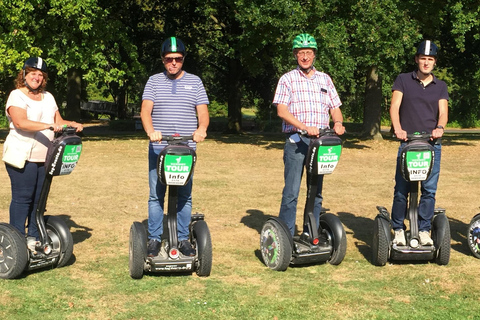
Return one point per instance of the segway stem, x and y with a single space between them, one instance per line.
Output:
309 222
413 209
172 216
40 212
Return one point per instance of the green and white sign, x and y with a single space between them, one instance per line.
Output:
418 164
70 157
328 157
177 169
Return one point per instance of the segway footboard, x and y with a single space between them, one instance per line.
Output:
163 263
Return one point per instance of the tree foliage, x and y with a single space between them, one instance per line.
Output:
240 48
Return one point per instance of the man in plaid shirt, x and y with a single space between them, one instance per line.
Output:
304 97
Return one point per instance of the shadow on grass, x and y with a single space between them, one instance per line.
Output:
81 233
458 231
362 232
255 220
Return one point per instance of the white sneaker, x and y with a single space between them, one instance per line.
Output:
425 239
32 243
400 237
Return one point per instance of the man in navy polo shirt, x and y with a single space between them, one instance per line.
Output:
419 104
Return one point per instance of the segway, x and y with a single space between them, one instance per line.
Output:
316 244
175 166
55 246
417 159
473 236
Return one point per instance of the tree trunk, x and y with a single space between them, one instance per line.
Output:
121 105
74 90
234 97
372 111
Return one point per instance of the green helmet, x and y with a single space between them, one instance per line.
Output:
304 41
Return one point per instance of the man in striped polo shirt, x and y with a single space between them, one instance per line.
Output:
305 99
172 101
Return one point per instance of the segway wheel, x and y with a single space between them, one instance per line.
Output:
13 252
473 236
380 245
61 239
443 251
137 250
275 246
333 226
203 243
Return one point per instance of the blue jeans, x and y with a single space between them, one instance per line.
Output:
26 186
156 202
426 206
294 155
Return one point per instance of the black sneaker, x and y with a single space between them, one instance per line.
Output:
153 247
186 249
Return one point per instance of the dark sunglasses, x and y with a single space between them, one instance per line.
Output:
170 59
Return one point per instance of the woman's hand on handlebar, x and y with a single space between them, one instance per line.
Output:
78 126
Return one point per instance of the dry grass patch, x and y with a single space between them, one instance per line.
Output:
237 185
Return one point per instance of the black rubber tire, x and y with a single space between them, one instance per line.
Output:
380 245
137 250
443 252
473 235
13 252
203 243
61 239
332 224
275 246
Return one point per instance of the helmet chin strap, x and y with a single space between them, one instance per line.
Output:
307 70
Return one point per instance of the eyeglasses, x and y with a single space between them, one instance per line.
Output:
170 59
305 54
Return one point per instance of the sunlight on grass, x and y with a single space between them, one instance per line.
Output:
237 185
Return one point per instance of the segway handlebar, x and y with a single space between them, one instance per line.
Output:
321 132
177 137
419 136
65 129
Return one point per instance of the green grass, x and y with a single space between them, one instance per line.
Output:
237 184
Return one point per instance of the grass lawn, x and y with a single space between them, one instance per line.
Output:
237 185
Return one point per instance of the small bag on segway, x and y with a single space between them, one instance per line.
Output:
175 164
417 159
64 153
324 154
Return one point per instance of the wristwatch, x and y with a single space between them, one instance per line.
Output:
440 127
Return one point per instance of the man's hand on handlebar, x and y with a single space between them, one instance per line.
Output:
155 136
